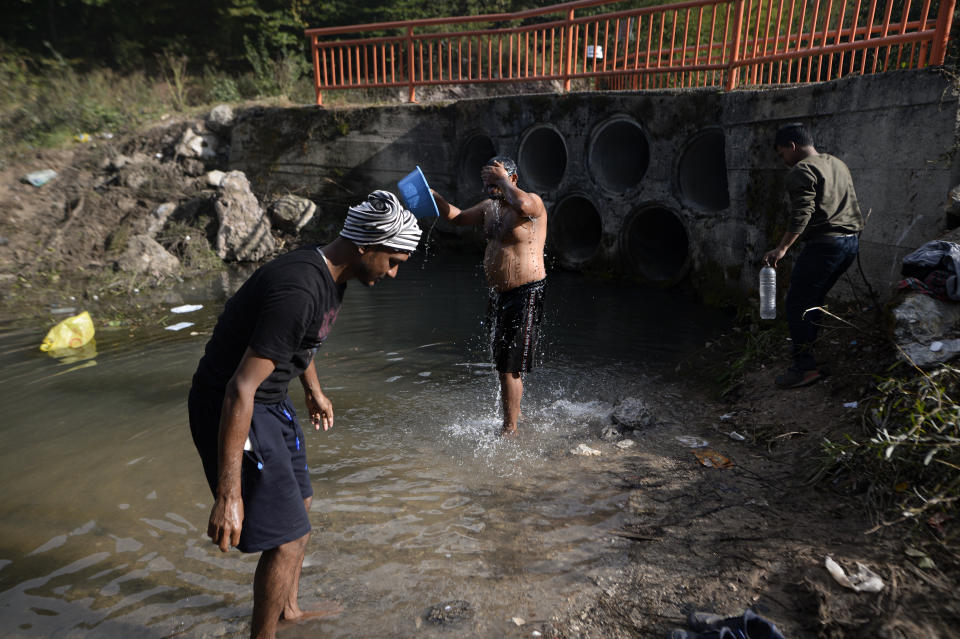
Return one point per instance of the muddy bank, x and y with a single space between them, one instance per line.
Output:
756 535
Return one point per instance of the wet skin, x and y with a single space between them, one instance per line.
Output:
515 224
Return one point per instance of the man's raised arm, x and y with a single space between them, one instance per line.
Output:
473 216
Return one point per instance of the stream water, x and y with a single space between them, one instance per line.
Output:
103 521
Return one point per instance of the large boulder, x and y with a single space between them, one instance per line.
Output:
199 146
290 213
145 255
221 118
244 233
632 413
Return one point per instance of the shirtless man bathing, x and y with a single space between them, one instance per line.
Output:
515 223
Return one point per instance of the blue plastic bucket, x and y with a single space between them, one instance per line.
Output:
416 195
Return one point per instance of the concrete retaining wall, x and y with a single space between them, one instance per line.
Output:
665 186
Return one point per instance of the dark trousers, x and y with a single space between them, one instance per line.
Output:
819 266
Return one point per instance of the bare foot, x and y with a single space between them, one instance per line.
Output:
508 432
319 610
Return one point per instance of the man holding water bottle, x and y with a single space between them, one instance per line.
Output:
825 212
515 224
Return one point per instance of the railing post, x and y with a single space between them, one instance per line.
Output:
410 65
732 68
316 69
568 55
944 19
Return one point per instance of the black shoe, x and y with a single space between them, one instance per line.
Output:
719 633
748 626
701 621
794 378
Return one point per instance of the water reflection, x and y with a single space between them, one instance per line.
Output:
102 529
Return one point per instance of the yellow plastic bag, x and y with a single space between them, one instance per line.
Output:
72 332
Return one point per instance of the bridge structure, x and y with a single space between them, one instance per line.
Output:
616 45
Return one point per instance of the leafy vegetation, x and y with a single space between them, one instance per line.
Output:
908 453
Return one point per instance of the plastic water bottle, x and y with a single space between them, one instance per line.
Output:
768 293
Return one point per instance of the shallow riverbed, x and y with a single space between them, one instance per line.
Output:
102 531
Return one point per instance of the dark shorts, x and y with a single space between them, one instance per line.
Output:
275 478
514 317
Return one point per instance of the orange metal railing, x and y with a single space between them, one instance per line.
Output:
729 43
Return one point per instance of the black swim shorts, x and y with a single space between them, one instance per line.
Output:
275 478
514 318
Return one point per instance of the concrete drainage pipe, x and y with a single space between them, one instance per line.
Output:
702 171
619 155
655 244
575 229
477 150
542 158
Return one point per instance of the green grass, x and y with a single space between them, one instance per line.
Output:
46 102
907 455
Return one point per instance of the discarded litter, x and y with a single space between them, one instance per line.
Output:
691 442
864 580
179 326
518 620
186 308
735 435
850 404
73 332
726 417
63 310
82 137
584 450
624 444
712 459
936 346
39 178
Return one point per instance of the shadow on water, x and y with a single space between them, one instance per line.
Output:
102 529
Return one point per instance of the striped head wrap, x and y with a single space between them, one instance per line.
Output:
381 219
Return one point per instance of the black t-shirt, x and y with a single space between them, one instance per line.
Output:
284 312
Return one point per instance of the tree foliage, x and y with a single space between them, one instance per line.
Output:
126 34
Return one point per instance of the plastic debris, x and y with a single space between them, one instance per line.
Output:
179 326
936 346
82 137
186 308
518 621
63 310
72 332
712 459
864 580
737 436
850 404
691 442
726 417
584 450
39 178
626 443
